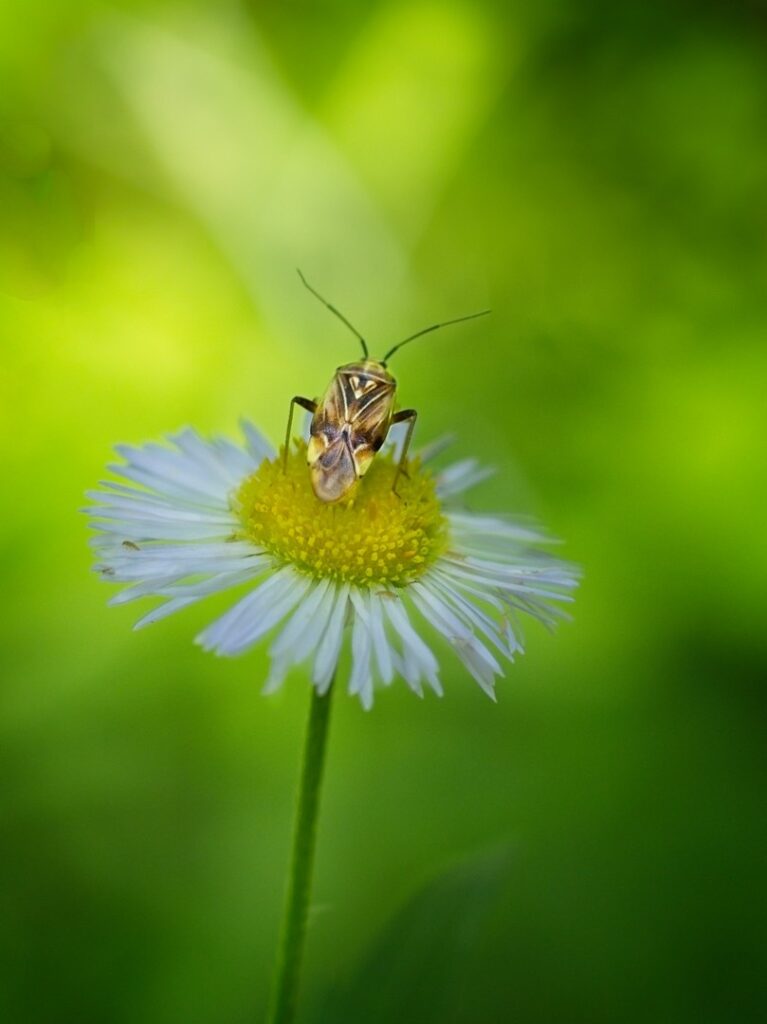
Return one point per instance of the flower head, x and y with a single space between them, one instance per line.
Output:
201 516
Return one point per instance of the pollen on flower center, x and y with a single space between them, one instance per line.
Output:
373 537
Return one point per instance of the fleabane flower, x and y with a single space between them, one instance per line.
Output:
389 570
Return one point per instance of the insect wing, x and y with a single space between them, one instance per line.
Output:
369 401
333 473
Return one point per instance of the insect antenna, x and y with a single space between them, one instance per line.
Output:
333 309
427 330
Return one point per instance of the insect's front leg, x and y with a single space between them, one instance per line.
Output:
399 417
305 403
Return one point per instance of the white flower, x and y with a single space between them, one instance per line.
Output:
201 516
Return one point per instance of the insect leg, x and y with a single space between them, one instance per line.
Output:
305 403
400 417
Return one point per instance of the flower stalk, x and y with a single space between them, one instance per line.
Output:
287 974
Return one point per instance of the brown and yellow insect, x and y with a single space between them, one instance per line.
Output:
352 419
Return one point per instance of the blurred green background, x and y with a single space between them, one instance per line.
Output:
593 848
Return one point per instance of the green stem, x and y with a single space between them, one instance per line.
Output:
288 969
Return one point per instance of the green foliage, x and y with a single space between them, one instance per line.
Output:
595 174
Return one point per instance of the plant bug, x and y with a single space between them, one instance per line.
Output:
352 419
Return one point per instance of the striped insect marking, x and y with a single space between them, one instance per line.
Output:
349 426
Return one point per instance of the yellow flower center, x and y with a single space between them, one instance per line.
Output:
374 536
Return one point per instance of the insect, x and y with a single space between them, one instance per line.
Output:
352 419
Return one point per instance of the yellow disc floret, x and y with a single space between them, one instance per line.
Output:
372 537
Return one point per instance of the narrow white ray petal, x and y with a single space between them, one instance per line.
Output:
461 476
218 634
476 657
308 619
537 571
433 608
252 630
255 614
435 684
360 679
148 588
172 467
394 440
127 561
141 508
409 671
381 645
326 659
191 554
112 488
513 632
508 581
134 575
497 599
434 449
479 669
156 529
277 672
419 659
309 641
212 585
526 567
495 526
255 442
144 571
486 594
471 615
238 462
163 485
257 626
548 614
204 459
162 611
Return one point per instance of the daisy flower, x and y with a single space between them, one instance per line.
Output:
194 517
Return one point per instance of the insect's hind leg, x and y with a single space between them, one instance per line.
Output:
399 417
305 403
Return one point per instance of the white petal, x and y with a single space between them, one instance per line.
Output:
496 526
308 621
198 503
472 652
211 585
155 529
419 660
492 597
471 615
291 647
361 680
258 447
326 659
255 614
433 450
238 462
170 468
148 588
381 645
461 476
163 485
140 505
126 564
509 580
484 593
277 672
206 460
162 611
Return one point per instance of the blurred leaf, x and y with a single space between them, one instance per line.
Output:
231 143
420 968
